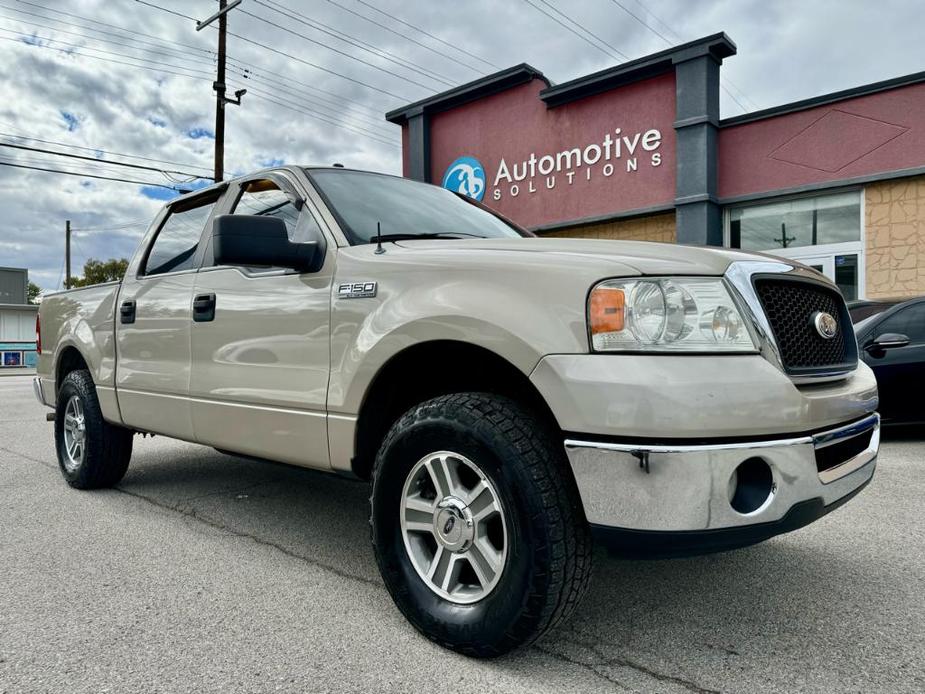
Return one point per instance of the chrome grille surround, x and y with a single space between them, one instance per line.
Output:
741 276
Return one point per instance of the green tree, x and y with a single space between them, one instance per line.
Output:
32 293
98 271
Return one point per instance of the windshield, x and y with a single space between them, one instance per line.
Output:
359 200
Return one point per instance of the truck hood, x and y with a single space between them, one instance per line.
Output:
644 257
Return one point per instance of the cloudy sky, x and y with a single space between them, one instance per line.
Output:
119 80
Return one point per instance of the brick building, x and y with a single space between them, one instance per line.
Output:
638 151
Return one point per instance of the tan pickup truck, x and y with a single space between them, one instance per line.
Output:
508 396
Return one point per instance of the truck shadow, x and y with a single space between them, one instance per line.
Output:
764 608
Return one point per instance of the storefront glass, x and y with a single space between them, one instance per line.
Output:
802 222
822 232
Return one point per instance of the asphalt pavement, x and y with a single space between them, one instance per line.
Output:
204 572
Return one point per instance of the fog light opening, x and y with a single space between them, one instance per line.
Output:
751 486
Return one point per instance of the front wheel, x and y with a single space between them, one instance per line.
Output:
477 525
92 453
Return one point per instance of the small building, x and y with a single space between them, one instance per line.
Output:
638 151
17 320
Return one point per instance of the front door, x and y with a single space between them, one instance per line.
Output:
153 323
842 268
260 363
900 371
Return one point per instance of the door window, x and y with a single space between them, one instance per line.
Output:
909 321
264 197
174 249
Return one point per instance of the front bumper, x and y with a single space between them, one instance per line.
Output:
665 488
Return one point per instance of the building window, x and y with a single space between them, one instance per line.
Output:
823 232
794 223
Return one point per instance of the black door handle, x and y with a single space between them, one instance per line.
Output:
127 312
204 308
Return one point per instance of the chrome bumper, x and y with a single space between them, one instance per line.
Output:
693 487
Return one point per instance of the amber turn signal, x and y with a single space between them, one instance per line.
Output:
607 309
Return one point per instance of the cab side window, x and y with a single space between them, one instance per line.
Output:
174 248
909 321
265 198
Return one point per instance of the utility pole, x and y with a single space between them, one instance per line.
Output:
219 84
67 254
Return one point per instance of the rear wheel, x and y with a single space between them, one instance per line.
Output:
477 526
91 452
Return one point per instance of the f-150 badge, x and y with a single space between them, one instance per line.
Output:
357 290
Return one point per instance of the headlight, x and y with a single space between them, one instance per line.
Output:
680 314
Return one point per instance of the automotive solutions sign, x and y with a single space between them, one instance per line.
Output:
613 153
594 157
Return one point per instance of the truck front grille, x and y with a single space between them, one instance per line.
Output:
790 306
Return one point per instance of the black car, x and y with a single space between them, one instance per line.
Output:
891 337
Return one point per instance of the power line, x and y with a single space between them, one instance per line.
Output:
456 61
86 175
95 57
568 28
159 41
678 36
115 227
102 151
352 40
76 168
283 53
309 98
337 123
641 21
116 26
586 29
427 33
101 50
337 50
293 106
249 74
173 53
96 160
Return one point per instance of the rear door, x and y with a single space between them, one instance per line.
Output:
900 371
153 322
260 363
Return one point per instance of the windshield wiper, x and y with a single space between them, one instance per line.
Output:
430 235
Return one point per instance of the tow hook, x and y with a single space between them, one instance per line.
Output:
50 416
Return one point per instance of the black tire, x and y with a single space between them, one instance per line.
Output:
108 448
549 555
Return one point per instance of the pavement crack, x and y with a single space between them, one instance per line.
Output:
591 667
222 492
29 457
191 513
605 660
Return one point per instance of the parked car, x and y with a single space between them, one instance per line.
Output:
891 334
506 395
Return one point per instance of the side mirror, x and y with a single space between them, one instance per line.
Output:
259 241
888 341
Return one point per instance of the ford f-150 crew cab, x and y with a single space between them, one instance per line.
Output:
508 396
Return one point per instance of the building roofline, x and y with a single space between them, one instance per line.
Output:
832 97
717 45
470 91
19 307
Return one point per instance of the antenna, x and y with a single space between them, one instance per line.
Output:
379 249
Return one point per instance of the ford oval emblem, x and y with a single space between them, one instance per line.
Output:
825 325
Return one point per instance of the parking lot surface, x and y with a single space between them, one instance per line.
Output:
206 572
